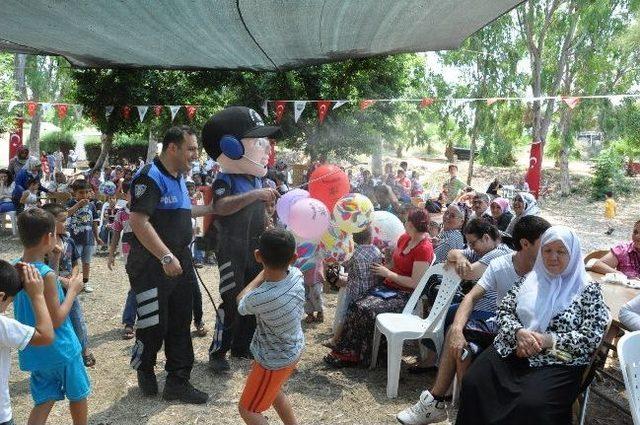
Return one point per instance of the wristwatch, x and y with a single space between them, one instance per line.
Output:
166 259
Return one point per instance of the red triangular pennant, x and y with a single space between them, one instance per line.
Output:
426 102
323 108
191 111
364 104
31 108
62 110
157 110
280 105
126 112
571 102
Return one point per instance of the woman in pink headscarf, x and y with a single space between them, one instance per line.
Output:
501 213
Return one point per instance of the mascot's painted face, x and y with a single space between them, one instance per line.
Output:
253 162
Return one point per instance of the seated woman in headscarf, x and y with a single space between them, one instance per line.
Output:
550 326
411 259
524 204
501 213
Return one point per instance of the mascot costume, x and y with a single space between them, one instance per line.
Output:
236 138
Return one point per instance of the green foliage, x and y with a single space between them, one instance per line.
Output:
62 140
7 92
609 174
124 146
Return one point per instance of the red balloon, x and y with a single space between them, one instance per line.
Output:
328 183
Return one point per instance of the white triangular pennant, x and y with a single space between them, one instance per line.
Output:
298 107
174 110
339 103
265 108
12 104
77 111
46 107
142 111
616 100
108 110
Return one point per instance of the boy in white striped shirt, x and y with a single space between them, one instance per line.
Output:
276 298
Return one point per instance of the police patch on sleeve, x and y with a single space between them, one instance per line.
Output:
140 189
220 191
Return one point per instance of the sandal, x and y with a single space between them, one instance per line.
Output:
128 332
89 360
201 331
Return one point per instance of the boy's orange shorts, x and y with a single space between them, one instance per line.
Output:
263 386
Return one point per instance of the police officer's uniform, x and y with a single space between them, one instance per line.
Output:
238 236
164 304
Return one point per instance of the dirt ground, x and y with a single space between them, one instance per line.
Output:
319 395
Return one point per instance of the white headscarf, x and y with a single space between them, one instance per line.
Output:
543 295
32 164
530 204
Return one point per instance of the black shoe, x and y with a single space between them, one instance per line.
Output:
219 363
147 383
183 391
421 370
242 354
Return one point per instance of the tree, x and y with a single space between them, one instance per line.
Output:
7 91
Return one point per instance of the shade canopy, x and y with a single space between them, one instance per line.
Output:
237 34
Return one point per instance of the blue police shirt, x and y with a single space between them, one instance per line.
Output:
165 199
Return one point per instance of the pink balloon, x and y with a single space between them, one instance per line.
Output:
284 204
309 219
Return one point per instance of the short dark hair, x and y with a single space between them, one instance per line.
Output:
363 237
54 209
10 282
529 227
33 224
277 247
609 194
30 181
419 218
80 184
480 227
176 135
190 183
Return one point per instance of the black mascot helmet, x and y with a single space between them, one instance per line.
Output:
223 132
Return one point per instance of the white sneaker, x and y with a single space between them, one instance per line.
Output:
88 289
426 411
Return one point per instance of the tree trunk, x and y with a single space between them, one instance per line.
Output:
399 151
565 150
107 141
20 63
152 150
472 147
34 135
376 160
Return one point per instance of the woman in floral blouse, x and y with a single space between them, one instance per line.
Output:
550 326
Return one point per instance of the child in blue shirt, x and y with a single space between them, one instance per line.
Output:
83 226
57 370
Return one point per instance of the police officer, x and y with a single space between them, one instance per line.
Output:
160 267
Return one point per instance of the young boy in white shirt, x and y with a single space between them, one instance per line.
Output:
14 334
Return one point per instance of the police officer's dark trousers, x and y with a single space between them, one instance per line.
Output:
164 309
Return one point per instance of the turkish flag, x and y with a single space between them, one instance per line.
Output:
571 102
62 110
535 168
191 111
31 108
364 104
280 105
426 102
157 110
126 112
323 108
15 138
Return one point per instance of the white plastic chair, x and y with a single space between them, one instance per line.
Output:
14 222
400 327
629 356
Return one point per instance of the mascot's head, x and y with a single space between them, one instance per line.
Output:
236 138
